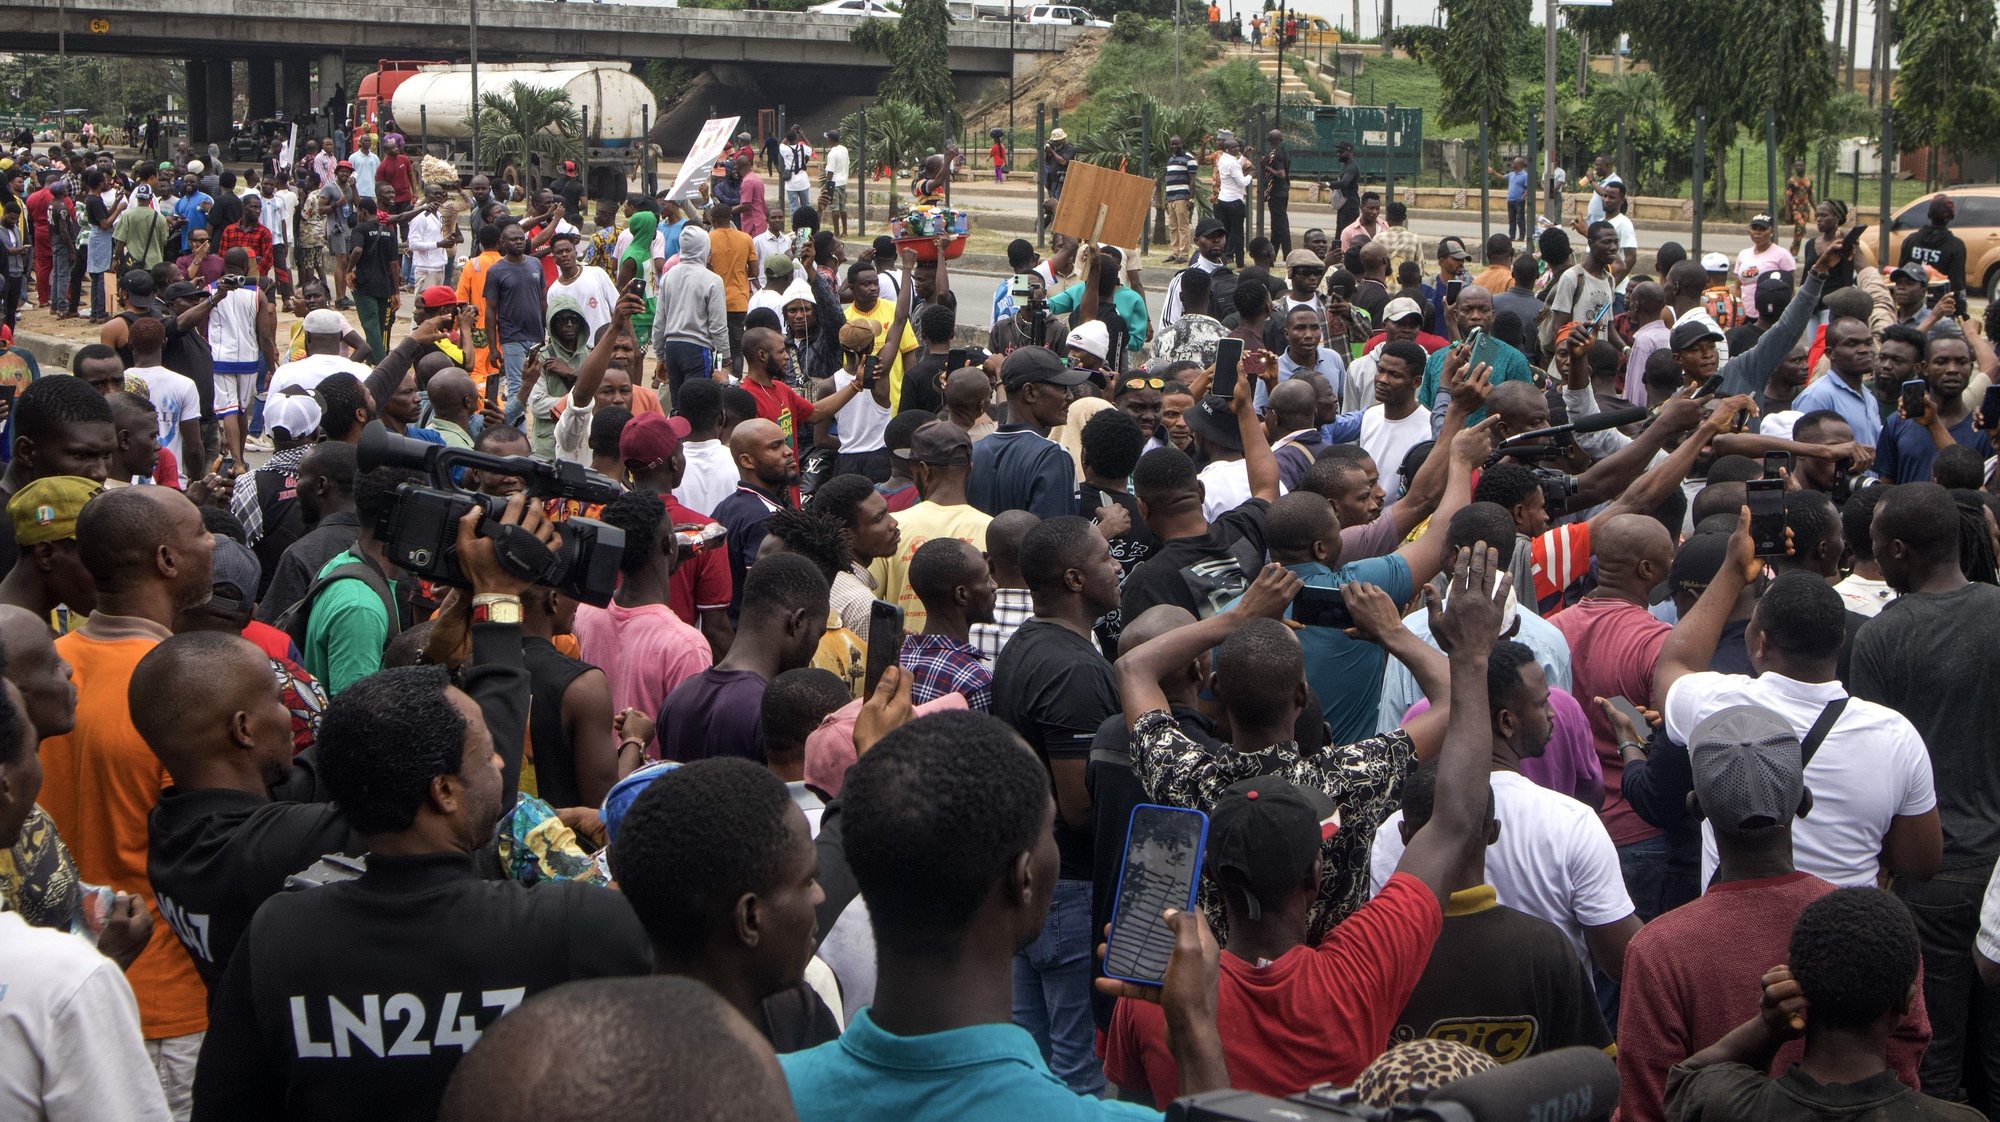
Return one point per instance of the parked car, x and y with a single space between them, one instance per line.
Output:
1061 14
1977 224
873 9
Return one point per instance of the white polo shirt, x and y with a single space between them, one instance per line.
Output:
1871 768
72 1049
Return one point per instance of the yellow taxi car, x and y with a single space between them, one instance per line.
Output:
1977 224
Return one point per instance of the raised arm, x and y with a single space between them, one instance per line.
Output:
1258 460
1747 372
1426 555
1466 629
1139 671
598 361
1691 645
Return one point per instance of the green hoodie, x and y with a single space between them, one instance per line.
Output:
542 425
640 252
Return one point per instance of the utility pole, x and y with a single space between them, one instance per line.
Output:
1012 73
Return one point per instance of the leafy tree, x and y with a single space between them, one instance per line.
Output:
534 128
919 70
1472 63
1948 84
897 134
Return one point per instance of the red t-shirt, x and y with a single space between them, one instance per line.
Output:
1313 1015
269 639
1694 974
781 404
1614 647
700 585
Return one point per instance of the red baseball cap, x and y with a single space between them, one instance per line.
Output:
651 439
438 296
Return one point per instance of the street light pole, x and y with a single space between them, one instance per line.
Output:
1549 97
472 46
1012 69
1177 53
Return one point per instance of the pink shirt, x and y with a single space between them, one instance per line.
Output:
1614 646
644 652
1569 764
755 218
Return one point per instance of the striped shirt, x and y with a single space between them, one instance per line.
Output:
1180 176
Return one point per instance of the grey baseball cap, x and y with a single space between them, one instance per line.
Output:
1748 771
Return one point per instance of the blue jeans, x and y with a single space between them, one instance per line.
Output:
513 356
796 199
1644 865
59 280
685 360
1052 990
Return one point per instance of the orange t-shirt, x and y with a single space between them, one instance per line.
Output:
729 251
472 290
100 783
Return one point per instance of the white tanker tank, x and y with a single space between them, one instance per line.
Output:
438 98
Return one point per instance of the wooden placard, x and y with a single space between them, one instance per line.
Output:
1123 199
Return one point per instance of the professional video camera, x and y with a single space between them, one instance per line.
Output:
1567 1085
1558 487
421 530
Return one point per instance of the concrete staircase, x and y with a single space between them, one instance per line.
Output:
1266 62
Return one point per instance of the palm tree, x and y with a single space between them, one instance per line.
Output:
533 127
897 133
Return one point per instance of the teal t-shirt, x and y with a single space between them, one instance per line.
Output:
1131 308
347 630
1344 671
1509 365
985 1073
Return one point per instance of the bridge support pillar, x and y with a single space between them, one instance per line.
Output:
332 79
295 95
197 100
221 103
263 88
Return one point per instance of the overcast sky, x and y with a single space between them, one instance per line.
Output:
1425 11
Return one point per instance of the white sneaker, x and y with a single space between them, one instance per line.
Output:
257 443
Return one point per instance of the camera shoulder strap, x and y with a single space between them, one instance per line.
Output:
1828 717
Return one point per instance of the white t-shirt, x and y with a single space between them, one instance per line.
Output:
277 214
1871 768
710 476
794 158
174 400
1863 596
836 165
595 291
1389 441
73 1030
1225 486
860 422
307 373
1231 181
1553 860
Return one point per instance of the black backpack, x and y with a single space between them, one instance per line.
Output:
295 619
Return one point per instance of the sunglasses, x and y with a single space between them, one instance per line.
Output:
1143 384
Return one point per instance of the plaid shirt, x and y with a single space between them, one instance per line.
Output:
256 240
940 664
1012 607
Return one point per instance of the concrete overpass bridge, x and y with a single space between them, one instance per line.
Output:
297 49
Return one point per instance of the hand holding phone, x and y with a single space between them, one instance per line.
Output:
1915 403
1228 361
885 642
1777 464
1161 868
1766 498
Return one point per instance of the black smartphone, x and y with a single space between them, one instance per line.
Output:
7 393
1228 359
1851 240
1775 462
956 358
1766 498
870 367
1452 288
1914 392
1624 705
1709 388
1989 408
1321 607
1162 865
496 388
885 642
634 287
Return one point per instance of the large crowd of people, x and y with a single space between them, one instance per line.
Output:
1567 650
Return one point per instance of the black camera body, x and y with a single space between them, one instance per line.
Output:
420 532
1558 486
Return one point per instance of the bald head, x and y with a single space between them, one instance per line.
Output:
1374 259
208 704
752 435
1633 550
1151 624
1646 300
34 667
967 389
453 395
138 536
1685 281
633 1044
1292 403
1520 406
1004 536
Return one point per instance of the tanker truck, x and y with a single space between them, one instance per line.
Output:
429 102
